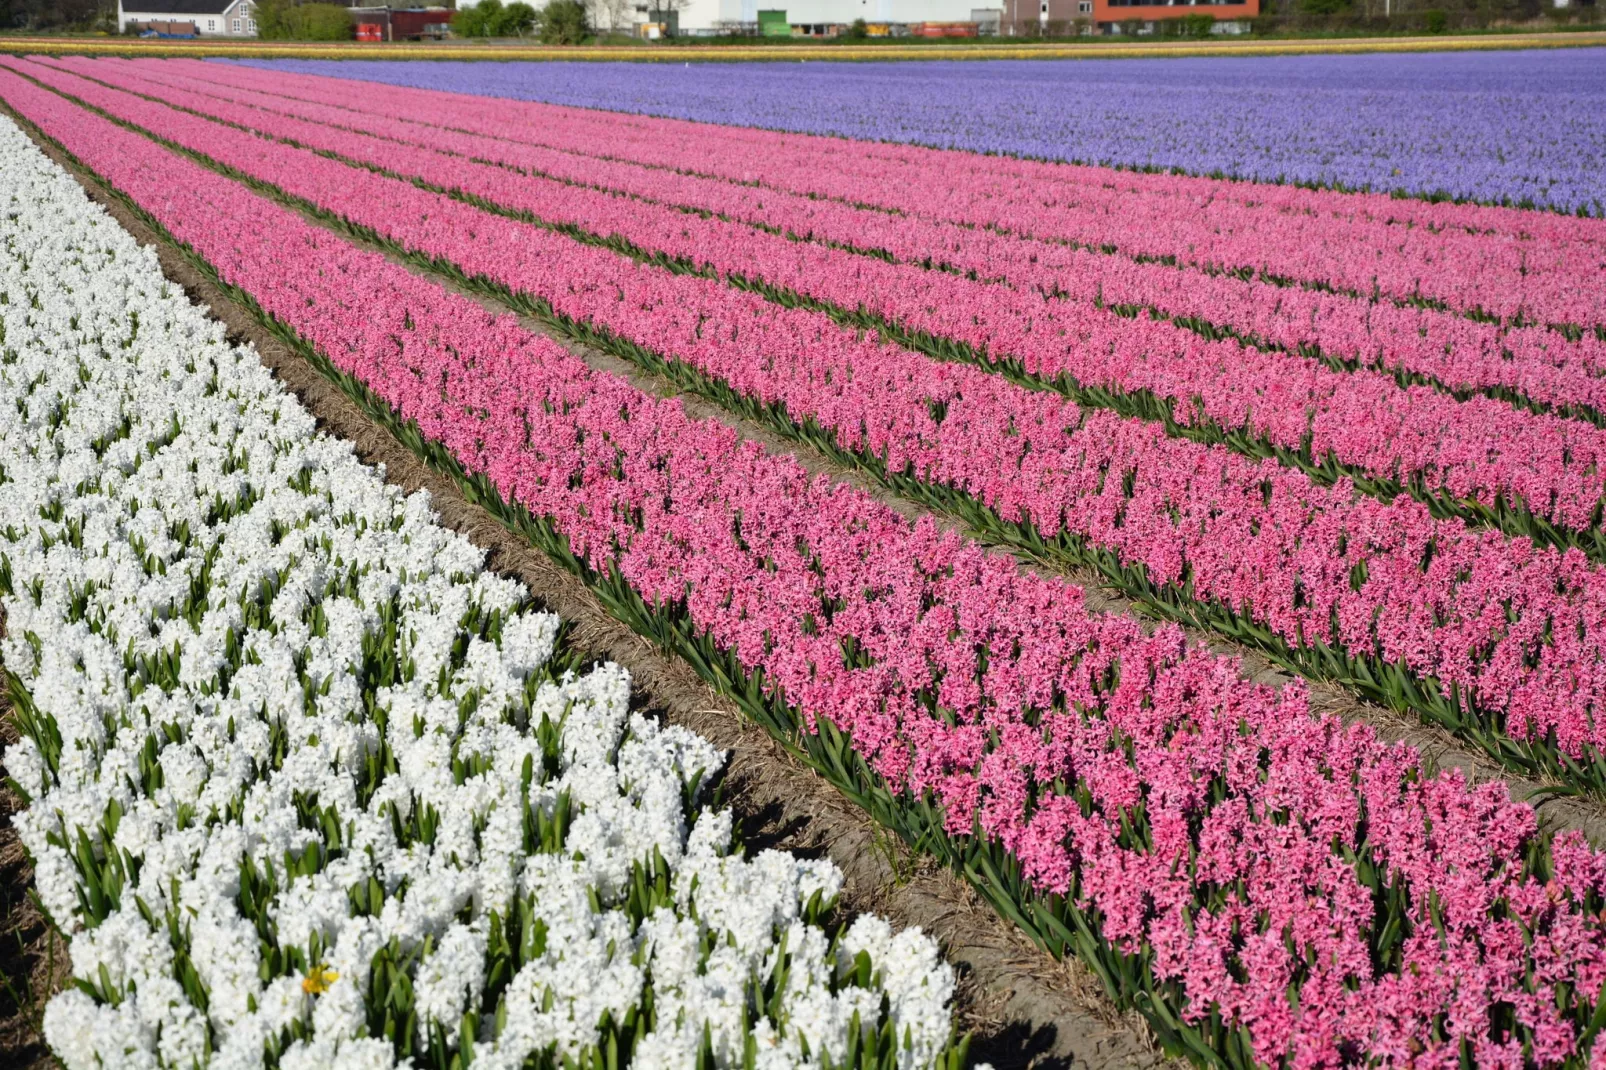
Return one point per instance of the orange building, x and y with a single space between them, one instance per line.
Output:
1024 18
1109 13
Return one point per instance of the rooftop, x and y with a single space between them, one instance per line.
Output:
176 7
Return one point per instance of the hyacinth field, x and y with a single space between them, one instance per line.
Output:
1519 127
305 785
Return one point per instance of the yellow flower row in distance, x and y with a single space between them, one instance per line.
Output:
121 46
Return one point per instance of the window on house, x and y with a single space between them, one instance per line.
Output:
251 25
1085 7
236 25
211 25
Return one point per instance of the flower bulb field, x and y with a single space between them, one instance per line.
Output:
1519 126
849 429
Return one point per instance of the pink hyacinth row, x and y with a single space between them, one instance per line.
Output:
1479 449
1242 884
1464 354
1504 261
1518 630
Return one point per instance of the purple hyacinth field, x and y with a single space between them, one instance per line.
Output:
1510 127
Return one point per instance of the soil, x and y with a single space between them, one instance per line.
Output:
33 957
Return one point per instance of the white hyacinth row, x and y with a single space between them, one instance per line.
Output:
308 787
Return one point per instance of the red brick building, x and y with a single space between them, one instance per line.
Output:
1028 18
1108 13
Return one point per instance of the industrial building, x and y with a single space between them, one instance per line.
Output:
815 17
380 23
919 18
1119 16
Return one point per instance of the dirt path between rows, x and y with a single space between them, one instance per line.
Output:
33 957
1025 1008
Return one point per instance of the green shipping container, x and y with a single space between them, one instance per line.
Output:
773 24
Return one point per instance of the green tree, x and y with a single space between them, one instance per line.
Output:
563 22
859 31
324 22
282 20
59 14
515 20
1198 25
479 20
1324 7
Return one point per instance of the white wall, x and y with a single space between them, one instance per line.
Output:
932 10
704 14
